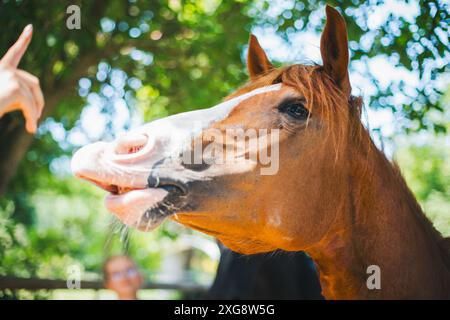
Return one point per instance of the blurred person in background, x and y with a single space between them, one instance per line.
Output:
20 90
122 276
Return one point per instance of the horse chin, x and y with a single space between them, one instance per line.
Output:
175 201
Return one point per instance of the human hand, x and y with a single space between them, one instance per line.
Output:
20 90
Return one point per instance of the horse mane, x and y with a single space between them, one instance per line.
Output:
361 133
317 86
443 243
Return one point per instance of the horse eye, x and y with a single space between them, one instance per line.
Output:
297 110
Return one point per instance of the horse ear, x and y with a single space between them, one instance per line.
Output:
334 49
257 61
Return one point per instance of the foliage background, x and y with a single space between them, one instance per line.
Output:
137 60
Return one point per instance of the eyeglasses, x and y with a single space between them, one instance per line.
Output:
120 275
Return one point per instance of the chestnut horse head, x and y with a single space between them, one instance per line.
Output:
303 119
307 106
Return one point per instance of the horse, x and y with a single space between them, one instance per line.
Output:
332 194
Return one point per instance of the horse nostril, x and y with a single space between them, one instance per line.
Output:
130 144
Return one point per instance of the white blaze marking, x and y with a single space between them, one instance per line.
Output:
174 131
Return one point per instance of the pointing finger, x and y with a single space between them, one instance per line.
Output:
15 53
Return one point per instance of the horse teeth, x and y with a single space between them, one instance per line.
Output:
122 190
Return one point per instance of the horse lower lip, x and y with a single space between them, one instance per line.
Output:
129 207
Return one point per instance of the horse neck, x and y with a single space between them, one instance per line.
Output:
382 225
